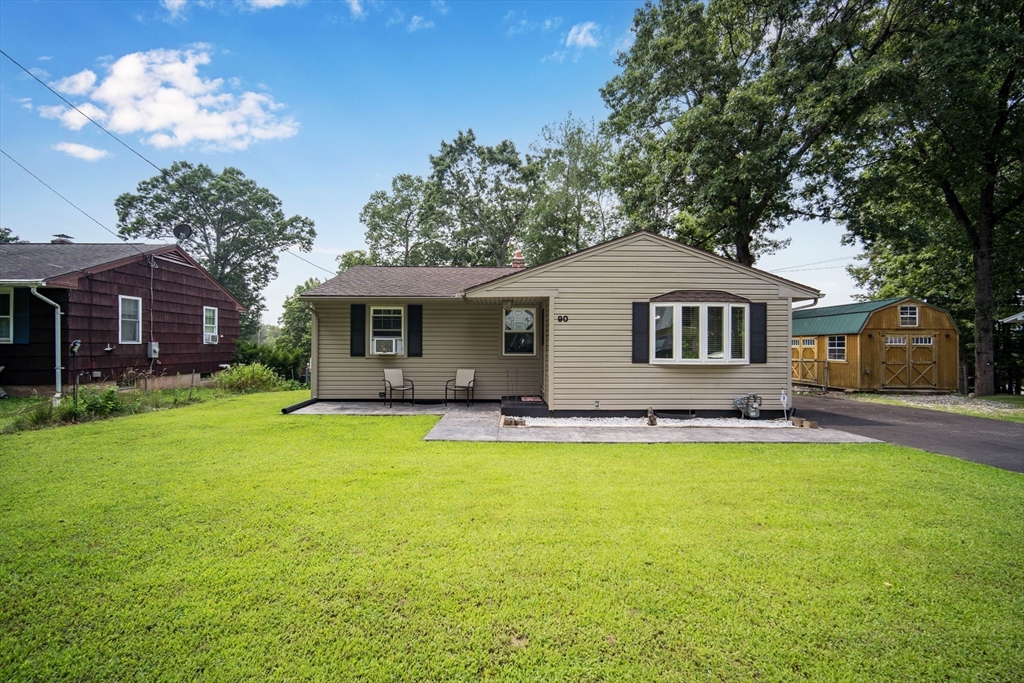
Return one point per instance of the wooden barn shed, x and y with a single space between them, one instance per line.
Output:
888 345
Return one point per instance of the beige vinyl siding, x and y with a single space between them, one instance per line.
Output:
592 350
456 335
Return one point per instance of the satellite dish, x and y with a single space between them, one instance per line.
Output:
182 231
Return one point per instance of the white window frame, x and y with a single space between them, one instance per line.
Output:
504 312
895 340
907 315
677 334
8 293
927 340
795 341
834 346
120 318
809 341
400 338
215 334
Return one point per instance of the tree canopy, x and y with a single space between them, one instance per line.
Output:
296 320
238 227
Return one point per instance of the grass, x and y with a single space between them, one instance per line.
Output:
1006 408
229 542
14 407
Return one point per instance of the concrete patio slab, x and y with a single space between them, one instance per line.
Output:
481 422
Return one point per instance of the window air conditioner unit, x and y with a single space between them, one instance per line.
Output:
384 346
210 338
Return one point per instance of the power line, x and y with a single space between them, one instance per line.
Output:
814 263
124 144
80 209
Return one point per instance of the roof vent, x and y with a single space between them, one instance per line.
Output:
61 238
518 261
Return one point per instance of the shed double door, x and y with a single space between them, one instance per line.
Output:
908 361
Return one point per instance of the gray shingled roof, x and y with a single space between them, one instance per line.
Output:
42 261
411 281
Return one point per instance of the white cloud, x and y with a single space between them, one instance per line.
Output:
44 58
441 6
25 102
397 17
548 24
582 35
623 43
84 152
356 8
161 95
521 23
79 84
417 22
69 118
174 7
270 4
556 56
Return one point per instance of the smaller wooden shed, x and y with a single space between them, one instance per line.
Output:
887 345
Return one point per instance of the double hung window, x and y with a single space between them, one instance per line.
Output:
699 333
6 315
130 326
210 331
387 330
837 348
908 316
519 332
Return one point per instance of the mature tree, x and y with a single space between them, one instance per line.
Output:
6 237
267 334
355 257
576 206
480 197
398 230
722 103
296 320
237 227
948 141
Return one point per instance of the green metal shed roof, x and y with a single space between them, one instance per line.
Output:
845 319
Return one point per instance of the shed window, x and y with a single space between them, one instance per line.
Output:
699 333
895 341
131 319
794 342
519 330
809 342
210 320
922 341
6 315
837 348
908 316
387 330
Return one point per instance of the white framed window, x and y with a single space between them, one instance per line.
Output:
387 330
794 342
810 342
922 341
130 326
837 347
699 333
519 332
211 320
908 316
895 341
6 315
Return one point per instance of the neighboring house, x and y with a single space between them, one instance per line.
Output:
116 299
640 321
891 344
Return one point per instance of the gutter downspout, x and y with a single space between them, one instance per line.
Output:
56 340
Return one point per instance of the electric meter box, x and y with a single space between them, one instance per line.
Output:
153 350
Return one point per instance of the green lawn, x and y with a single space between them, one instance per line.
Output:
226 541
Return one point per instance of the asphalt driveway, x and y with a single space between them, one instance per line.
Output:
978 439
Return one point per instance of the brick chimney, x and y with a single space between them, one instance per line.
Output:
518 261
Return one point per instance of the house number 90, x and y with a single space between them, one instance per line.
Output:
563 318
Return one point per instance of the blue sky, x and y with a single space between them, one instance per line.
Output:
322 102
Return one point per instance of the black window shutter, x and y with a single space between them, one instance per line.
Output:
641 332
758 333
21 315
415 331
357 335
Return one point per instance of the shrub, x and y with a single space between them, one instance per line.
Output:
289 364
103 402
249 378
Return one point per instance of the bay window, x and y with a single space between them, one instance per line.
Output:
699 333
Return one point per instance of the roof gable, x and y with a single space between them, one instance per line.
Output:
842 319
522 276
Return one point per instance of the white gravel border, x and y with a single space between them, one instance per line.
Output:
714 422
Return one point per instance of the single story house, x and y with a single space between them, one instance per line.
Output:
638 322
891 344
146 308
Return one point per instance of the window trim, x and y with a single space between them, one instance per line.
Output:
677 333
916 316
120 318
401 337
9 293
216 325
504 312
829 348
